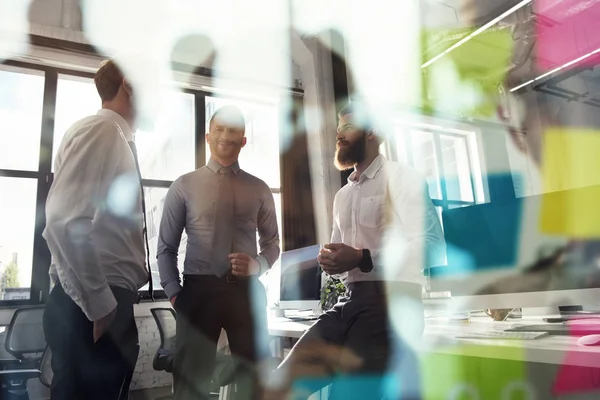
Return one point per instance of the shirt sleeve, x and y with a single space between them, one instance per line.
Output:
268 233
415 237
172 224
80 187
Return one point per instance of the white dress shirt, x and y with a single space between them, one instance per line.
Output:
388 211
93 214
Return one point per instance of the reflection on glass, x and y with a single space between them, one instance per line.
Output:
169 151
21 101
17 226
425 160
260 156
456 168
76 98
155 201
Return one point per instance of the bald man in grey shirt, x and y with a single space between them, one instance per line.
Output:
221 207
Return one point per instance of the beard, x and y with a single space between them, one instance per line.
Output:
348 156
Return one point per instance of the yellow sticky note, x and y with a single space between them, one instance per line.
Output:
571 182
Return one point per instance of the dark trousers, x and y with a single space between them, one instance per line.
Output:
84 369
206 305
361 322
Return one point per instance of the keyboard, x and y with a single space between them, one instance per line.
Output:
503 335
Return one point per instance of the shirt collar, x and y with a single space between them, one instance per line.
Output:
371 170
116 118
214 166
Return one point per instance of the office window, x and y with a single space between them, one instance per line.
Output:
38 104
449 160
17 227
76 98
21 102
169 151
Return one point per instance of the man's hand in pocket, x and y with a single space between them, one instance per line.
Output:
101 325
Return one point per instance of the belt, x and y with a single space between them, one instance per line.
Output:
229 278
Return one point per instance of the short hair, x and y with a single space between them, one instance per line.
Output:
232 115
108 80
361 112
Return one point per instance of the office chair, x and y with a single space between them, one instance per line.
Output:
26 342
225 367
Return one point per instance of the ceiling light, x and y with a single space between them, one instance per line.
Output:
477 32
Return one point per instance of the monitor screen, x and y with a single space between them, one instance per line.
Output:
300 275
537 244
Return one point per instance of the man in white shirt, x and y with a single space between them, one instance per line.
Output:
385 232
94 229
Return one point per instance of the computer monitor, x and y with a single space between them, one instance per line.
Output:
509 254
301 279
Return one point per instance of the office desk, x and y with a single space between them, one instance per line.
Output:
450 367
564 350
291 329
439 337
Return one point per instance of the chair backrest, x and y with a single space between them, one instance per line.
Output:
25 336
46 368
167 327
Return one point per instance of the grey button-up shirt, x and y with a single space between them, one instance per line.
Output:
191 204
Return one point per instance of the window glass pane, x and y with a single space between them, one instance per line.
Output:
155 200
260 156
21 101
170 150
425 160
17 226
166 153
456 168
76 98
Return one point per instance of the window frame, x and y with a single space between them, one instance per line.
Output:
444 203
40 279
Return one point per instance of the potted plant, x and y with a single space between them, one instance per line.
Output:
331 292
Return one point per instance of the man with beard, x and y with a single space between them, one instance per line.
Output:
385 205
221 207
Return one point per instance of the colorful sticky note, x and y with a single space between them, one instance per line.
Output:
465 79
565 31
571 183
476 372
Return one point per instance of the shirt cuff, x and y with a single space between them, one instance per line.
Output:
172 289
100 304
263 264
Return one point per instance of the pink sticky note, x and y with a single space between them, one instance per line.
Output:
566 30
572 377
